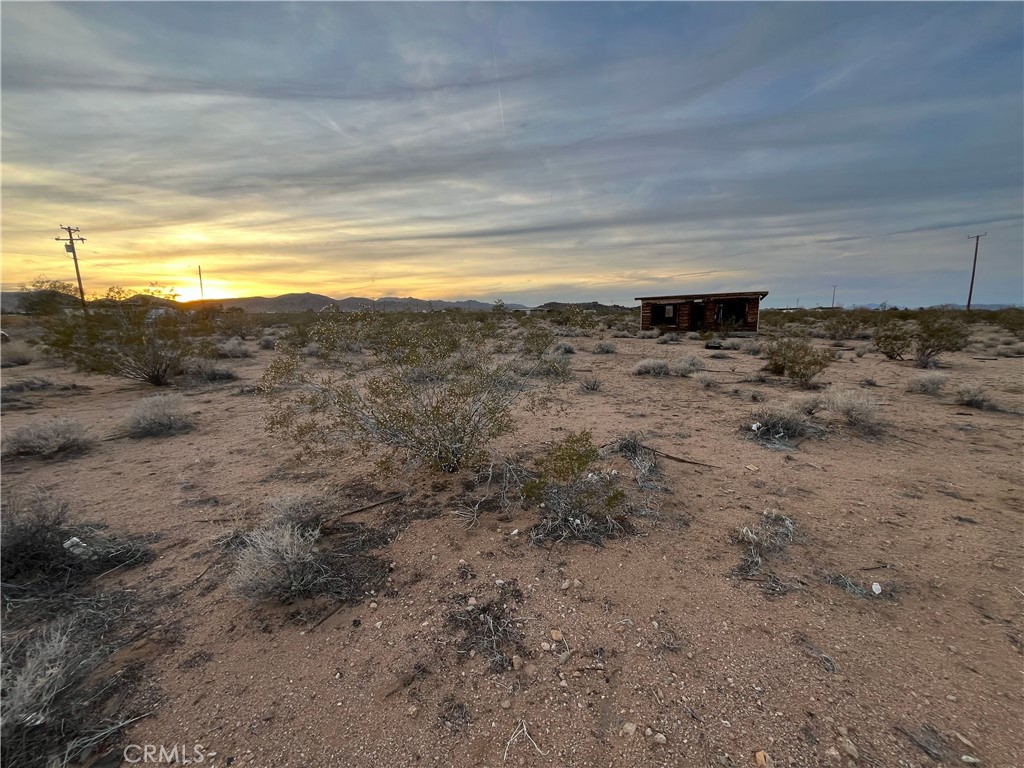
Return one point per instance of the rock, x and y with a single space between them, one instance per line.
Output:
505 703
970 760
577 583
648 732
951 697
545 646
565 585
764 760
517 663
628 729
564 684
379 624
843 730
531 670
515 532
660 738
411 711
472 601
556 635
565 657
832 752
849 749
373 605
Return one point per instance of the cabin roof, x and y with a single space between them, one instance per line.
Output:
691 296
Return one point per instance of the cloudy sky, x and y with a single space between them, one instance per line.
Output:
528 152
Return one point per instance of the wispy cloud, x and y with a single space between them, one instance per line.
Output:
527 151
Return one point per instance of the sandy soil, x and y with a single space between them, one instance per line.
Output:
662 635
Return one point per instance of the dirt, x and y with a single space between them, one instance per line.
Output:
661 633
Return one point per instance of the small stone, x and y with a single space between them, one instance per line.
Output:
564 684
565 657
565 585
545 646
379 624
832 752
843 730
505 703
628 729
472 601
373 605
517 663
969 759
648 732
660 738
530 670
577 583
951 697
499 582
515 532
556 635
849 749
411 711
689 655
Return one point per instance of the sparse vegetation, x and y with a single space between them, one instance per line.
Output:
48 439
590 384
668 338
797 359
604 348
937 334
564 348
17 353
893 340
233 347
158 416
688 366
780 423
651 366
928 383
705 380
859 408
769 537
973 397
202 371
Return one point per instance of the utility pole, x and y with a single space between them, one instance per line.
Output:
69 246
202 293
974 266
833 297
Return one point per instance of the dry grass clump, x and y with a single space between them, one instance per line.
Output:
203 371
491 630
688 366
590 384
267 342
973 397
604 348
17 353
158 416
927 383
48 439
780 423
705 380
769 537
648 334
859 408
668 338
563 348
233 347
643 459
651 366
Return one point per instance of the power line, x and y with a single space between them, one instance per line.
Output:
69 246
974 266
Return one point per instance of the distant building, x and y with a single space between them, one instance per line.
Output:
701 312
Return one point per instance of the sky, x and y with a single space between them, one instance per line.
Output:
528 152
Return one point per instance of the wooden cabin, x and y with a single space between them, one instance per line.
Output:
701 312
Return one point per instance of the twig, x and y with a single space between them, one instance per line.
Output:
520 730
326 616
388 500
684 461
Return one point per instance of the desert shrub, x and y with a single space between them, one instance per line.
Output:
927 383
651 366
159 415
564 348
893 340
652 334
202 371
973 397
668 338
797 359
782 422
537 341
236 322
282 562
48 439
622 335
841 326
17 353
769 537
233 347
734 344
693 336
578 504
705 380
859 408
860 351
267 342
590 384
121 338
604 348
551 364
1016 350
937 334
434 392
688 366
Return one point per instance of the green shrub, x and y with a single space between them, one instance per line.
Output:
937 334
797 359
893 340
841 326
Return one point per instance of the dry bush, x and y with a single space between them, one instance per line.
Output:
652 334
688 366
859 408
202 371
973 397
927 383
642 458
797 359
590 384
233 347
705 380
268 342
604 348
563 348
282 562
651 366
668 338
753 348
491 630
158 416
17 353
48 439
780 423
769 537
555 365
841 326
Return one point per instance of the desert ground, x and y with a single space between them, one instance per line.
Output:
650 650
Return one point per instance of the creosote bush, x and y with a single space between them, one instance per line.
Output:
233 347
48 439
893 340
797 359
937 334
159 415
430 388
